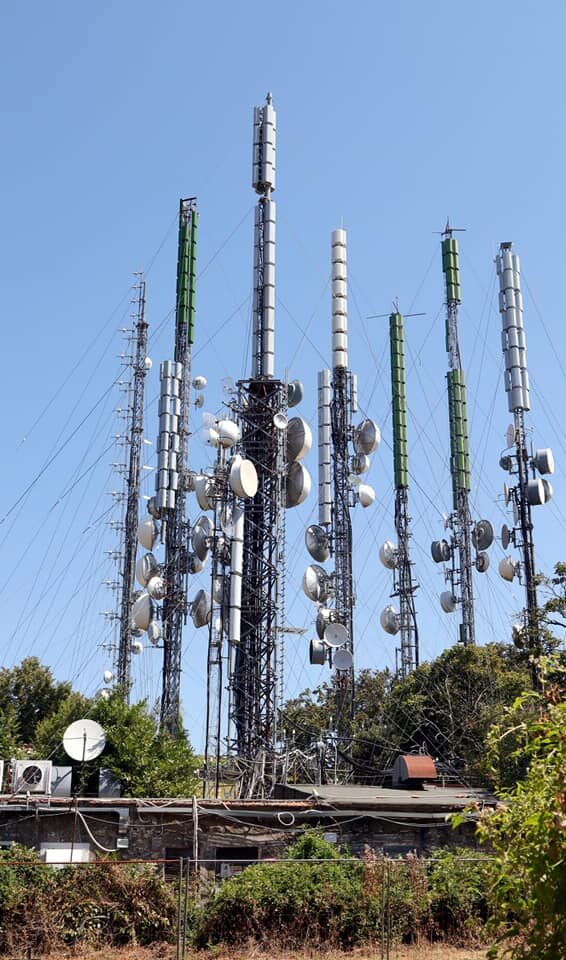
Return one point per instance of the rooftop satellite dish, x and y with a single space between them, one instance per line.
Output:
507 568
201 609
389 620
298 484
343 660
388 555
366 494
318 652
335 635
367 436
200 536
154 632
448 601
316 542
510 435
147 532
243 478
322 620
295 393
299 438
505 536
280 421
84 740
482 535
199 382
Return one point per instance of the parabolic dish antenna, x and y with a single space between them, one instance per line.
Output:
280 421
505 536
335 635
510 435
316 540
84 740
343 660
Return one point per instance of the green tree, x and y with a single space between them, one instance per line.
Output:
28 693
48 739
527 831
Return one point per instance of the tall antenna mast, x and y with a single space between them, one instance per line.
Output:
465 536
397 558
139 369
343 456
254 680
528 491
171 481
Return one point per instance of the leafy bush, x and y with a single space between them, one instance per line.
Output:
458 893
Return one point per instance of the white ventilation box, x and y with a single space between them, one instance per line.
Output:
31 776
59 854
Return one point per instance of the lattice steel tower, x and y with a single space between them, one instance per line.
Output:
465 535
172 473
254 679
528 491
397 557
135 440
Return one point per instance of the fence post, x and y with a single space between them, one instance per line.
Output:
179 908
388 937
383 910
185 909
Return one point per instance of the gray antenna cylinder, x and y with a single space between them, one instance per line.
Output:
339 300
264 137
236 564
264 290
167 477
324 450
513 339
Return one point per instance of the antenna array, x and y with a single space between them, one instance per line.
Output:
465 535
528 491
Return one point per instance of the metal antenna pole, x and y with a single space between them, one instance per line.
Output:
460 521
139 369
173 467
254 679
528 491
404 587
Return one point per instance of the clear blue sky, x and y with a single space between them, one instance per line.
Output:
390 117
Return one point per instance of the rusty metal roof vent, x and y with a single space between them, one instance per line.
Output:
412 770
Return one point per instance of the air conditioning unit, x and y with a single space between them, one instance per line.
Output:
31 776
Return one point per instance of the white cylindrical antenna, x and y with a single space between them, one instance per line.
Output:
513 332
324 450
339 300
263 182
237 559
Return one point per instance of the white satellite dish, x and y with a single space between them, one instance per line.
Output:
298 485
243 478
147 532
146 568
209 436
366 494
388 554
505 536
157 588
142 611
136 647
544 460
148 363
510 435
299 438
84 740
389 620
201 609
318 652
280 421
343 660
200 536
228 433
507 569
335 635
203 487
322 620
316 583
108 676
199 382
360 463
367 436
448 601
154 632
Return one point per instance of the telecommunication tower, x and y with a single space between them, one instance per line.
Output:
397 557
343 457
468 540
528 490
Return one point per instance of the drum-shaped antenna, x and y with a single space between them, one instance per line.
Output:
146 568
448 601
295 393
388 555
482 562
318 652
154 632
441 551
298 484
510 435
544 460
201 609
299 439
366 436
323 618
366 494
316 583
507 568
336 635
243 478
147 533
343 660
389 620
157 588
535 492
228 433
280 421
200 536
482 535
505 536
142 610
317 543
360 463
203 487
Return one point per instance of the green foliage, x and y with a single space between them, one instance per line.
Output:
458 884
42 908
311 845
147 763
48 739
28 693
527 832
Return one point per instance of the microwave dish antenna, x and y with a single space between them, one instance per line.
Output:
84 740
